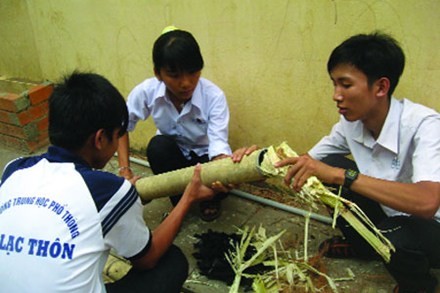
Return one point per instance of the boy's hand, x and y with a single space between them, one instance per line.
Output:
195 190
133 179
218 187
303 167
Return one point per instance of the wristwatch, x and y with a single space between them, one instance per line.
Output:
350 177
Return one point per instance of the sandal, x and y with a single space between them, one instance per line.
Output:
210 210
337 247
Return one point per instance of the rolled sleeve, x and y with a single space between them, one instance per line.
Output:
137 104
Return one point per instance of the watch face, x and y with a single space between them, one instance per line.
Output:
350 177
351 173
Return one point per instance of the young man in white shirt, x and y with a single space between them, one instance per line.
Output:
395 144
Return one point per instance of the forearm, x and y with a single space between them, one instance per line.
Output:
164 234
167 230
123 151
419 199
123 157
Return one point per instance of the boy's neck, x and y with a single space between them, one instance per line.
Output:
375 124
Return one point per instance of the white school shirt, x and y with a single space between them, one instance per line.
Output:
58 221
202 125
407 149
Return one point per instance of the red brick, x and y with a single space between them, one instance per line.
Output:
43 124
12 130
40 93
31 131
43 136
23 145
14 142
28 132
24 118
8 117
13 103
33 113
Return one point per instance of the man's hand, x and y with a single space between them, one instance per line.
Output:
303 167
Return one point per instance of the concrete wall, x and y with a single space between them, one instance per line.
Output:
268 56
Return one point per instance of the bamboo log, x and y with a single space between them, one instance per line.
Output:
258 166
225 171
115 268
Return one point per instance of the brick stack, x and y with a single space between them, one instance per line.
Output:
24 115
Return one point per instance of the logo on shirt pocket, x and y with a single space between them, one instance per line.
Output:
395 164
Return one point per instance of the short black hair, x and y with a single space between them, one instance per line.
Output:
178 51
81 104
376 55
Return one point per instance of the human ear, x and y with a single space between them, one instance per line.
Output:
98 139
383 86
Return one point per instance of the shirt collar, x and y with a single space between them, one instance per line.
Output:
59 154
196 99
389 135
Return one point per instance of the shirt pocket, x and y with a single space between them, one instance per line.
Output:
196 127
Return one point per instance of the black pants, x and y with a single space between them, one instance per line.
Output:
164 155
417 240
168 276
